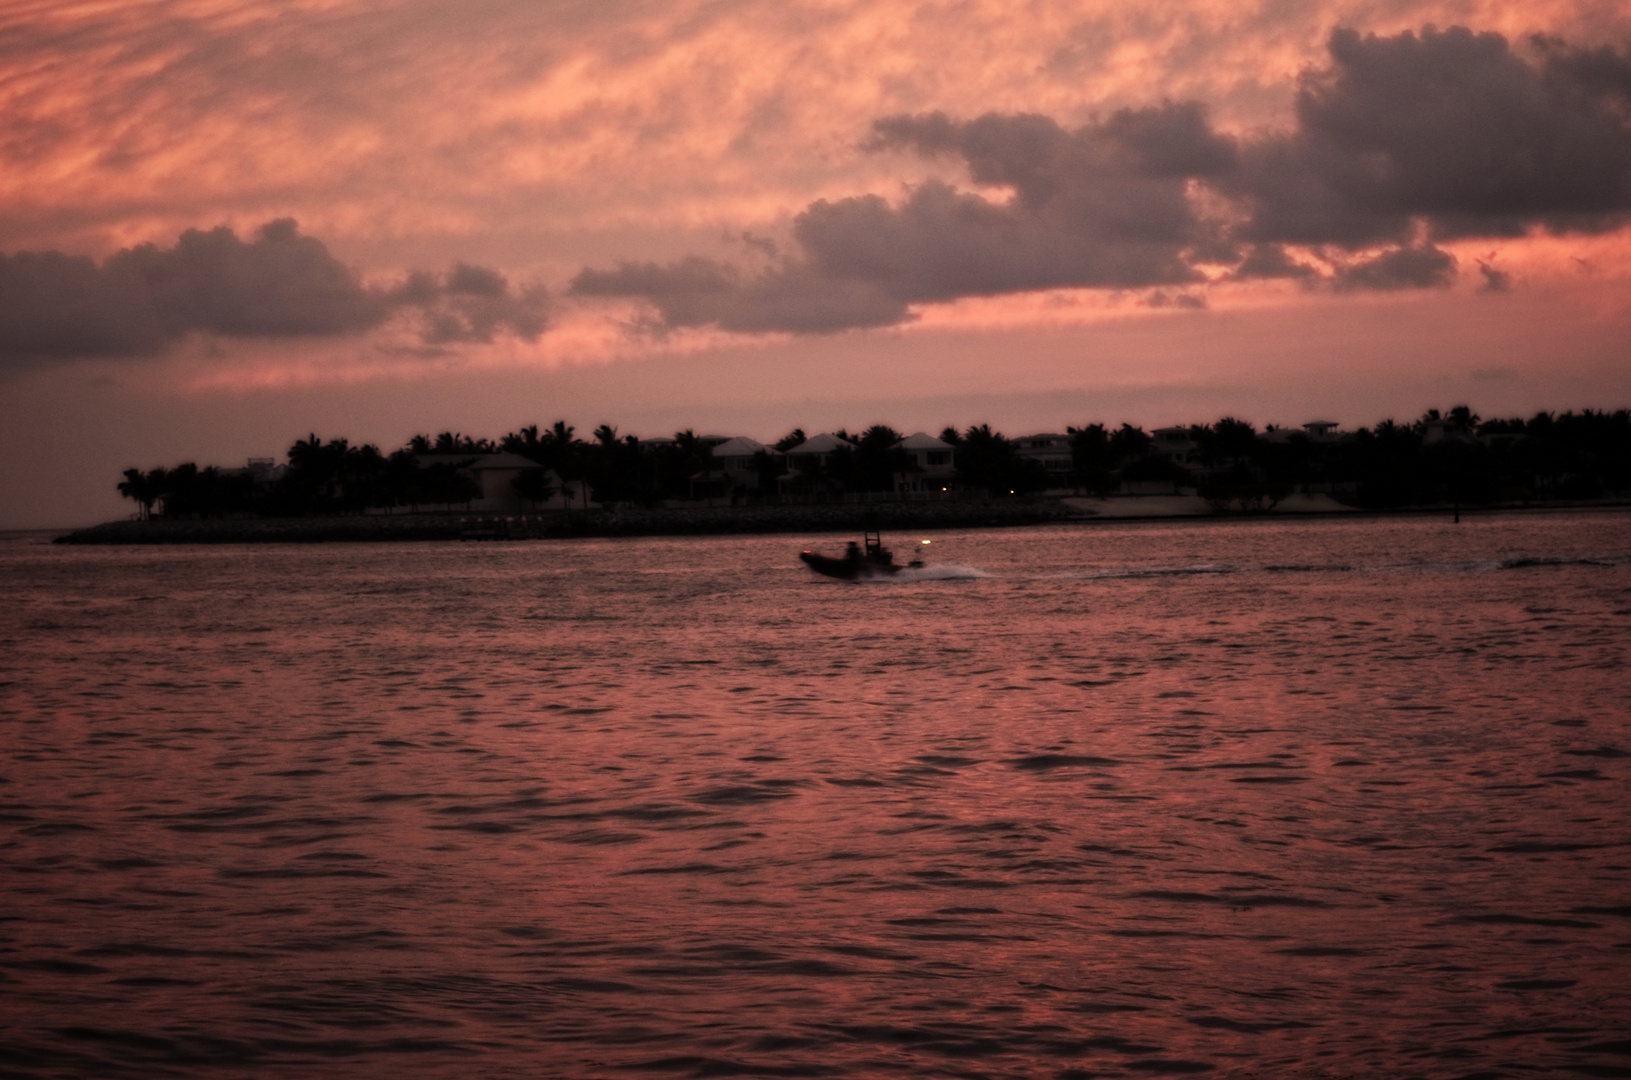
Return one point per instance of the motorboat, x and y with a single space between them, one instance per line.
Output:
859 563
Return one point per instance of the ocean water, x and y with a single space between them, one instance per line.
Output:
1323 798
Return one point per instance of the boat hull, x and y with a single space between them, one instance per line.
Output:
848 569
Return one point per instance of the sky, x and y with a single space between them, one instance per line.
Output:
227 224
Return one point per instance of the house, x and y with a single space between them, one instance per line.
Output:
1315 431
932 468
263 472
495 476
814 454
1322 430
1175 445
807 465
1052 452
1437 431
737 458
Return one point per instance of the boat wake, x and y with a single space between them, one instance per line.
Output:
941 572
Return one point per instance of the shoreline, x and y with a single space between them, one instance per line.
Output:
740 520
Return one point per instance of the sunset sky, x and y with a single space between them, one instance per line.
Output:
224 225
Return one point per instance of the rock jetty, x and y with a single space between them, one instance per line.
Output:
631 521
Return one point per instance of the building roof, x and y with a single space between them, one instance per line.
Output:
476 462
741 446
825 443
923 441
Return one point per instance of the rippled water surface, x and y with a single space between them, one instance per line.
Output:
1328 798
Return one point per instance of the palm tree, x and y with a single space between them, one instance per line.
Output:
1090 456
696 462
137 485
525 442
878 460
533 485
564 454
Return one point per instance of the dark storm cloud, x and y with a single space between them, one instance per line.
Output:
1101 206
1443 134
703 292
1449 126
1423 267
279 284
1272 261
1495 279
470 304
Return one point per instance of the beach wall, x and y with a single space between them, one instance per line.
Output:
623 522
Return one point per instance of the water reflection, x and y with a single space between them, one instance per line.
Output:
1277 799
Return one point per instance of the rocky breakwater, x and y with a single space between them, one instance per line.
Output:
275 530
825 517
625 521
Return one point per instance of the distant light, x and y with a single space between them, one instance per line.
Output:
925 543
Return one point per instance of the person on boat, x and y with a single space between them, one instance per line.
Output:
853 552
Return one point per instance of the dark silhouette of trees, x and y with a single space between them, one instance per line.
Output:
453 442
1237 471
186 491
987 460
768 469
1152 468
524 442
1228 440
1129 443
1091 458
614 468
335 478
533 485
1441 458
689 466
876 460
435 484
146 488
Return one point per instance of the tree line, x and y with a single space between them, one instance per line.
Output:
1455 456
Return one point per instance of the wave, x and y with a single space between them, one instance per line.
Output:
1166 571
1471 566
940 572
1523 562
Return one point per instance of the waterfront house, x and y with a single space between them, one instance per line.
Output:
1446 430
1175 444
1052 452
931 469
808 464
495 476
738 460
1322 430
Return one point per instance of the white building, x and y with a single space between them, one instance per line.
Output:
1318 431
807 464
1052 452
1322 430
495 476
736 459
1437 431
932 465
1174 445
